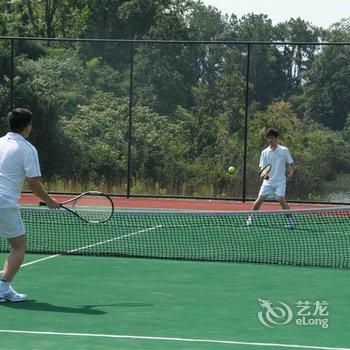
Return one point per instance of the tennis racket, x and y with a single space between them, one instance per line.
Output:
92 207
264 173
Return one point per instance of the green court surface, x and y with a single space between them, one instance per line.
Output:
80 302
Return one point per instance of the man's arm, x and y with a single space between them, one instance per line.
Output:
36 186
262 160
290 169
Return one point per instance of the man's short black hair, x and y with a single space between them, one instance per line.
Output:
272 132
19 119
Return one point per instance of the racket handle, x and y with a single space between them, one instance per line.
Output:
43 204
95 192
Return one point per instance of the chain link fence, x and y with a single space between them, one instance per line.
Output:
147 118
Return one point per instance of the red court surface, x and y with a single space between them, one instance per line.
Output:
176 204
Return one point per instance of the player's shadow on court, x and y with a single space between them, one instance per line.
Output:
86 309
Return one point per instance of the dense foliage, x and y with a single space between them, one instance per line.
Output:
188 100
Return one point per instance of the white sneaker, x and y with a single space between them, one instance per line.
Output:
250 220
11 295
289 225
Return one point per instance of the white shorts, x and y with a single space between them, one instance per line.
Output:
11 224
272 191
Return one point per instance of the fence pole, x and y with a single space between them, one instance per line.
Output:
246 123
128 191
12 72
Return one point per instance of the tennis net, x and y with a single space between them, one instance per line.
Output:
318 237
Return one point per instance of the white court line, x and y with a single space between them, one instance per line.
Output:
233 342
92 245
115 239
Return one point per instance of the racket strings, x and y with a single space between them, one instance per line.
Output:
265 171
93 208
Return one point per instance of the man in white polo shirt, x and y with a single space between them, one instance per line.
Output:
18 162
279 158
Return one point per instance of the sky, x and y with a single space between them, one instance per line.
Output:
322 13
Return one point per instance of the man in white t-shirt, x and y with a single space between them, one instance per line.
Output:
274 186
18 162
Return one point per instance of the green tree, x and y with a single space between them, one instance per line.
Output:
326 95
205 22
268 76
45 18
298 58
339 31
95 142
59 84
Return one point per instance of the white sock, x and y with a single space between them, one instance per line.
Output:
4 285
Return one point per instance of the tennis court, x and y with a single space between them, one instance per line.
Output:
99 302
177 115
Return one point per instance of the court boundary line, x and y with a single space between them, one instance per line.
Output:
191 340
92 245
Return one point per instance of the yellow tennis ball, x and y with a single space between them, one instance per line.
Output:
231 169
